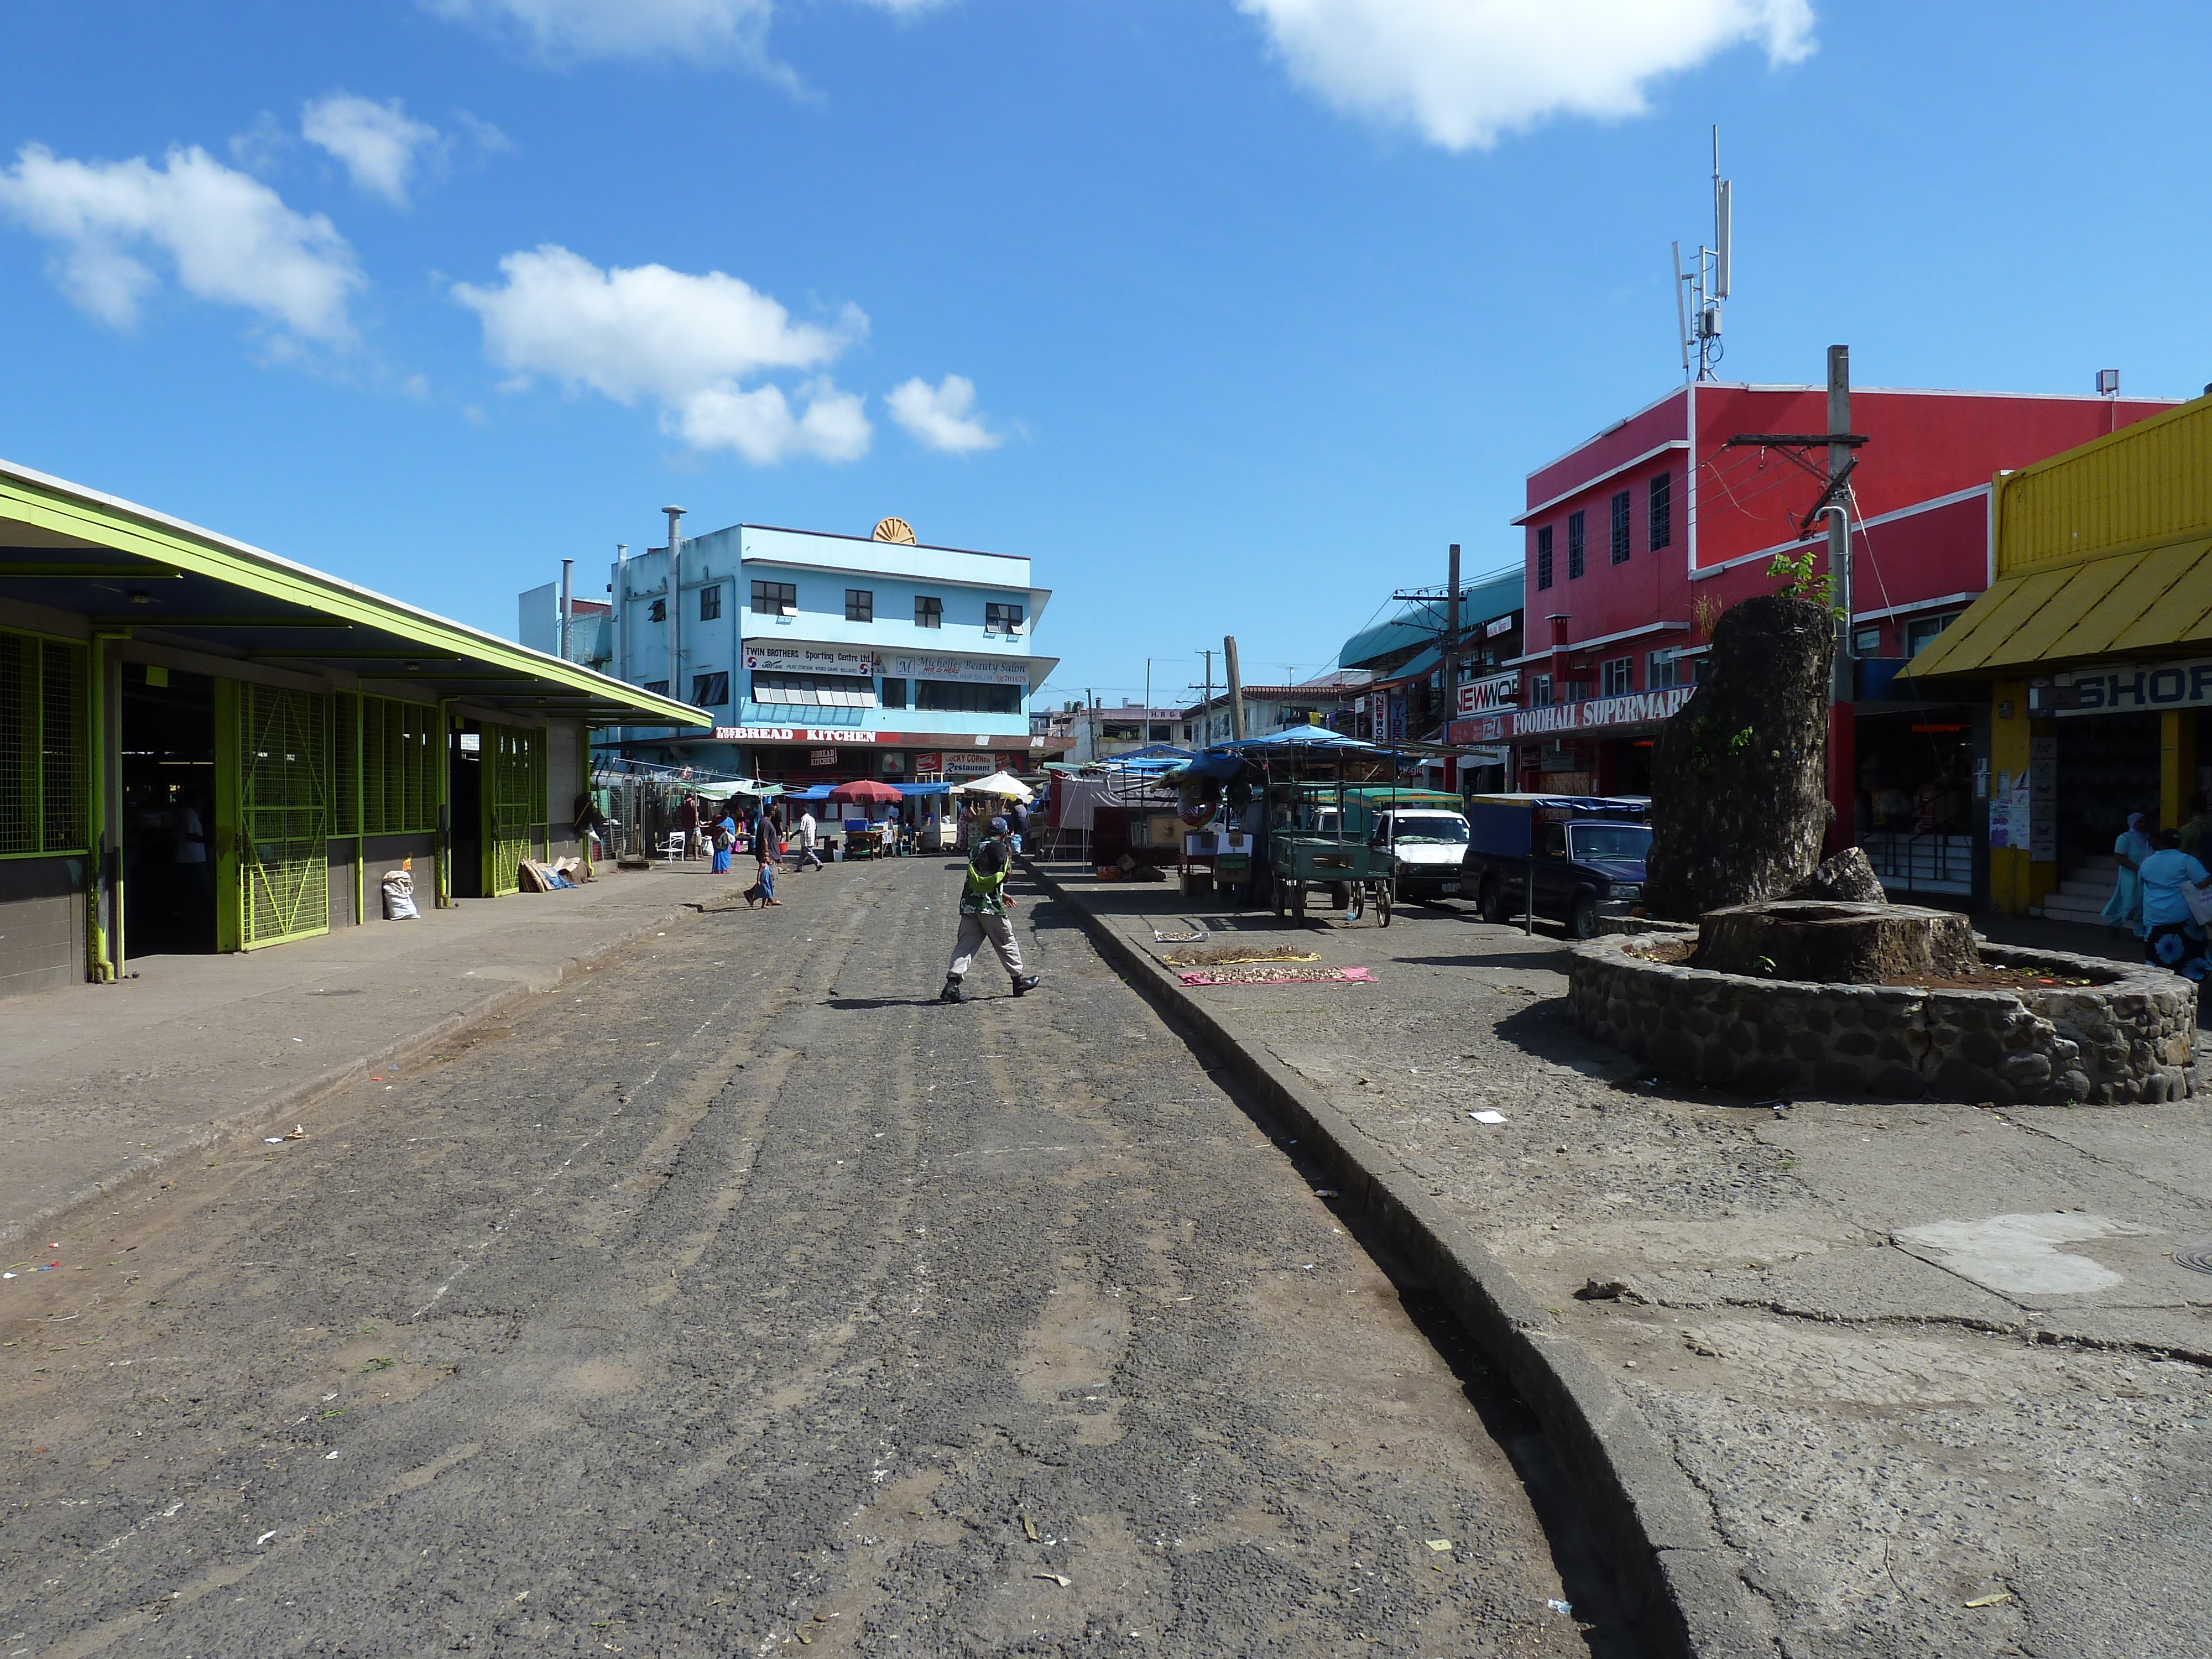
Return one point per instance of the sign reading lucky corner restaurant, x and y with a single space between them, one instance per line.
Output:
1593 713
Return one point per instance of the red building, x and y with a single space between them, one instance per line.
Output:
1639 537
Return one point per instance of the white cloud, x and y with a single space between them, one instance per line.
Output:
688 342
938 415
568 31
1464 72
380 144
227 236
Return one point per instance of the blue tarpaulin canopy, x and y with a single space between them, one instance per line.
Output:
1296 737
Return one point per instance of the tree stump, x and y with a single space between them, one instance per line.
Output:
1847 877
1836 944
1739 795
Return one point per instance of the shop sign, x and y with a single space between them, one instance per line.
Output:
961 765
1397 717
821 757
1500 625
1481 696
2130 687
961 671
1595 713
928 763
808 658
790 734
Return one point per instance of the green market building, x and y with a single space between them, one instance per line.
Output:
158 680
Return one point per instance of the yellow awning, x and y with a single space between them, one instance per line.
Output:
2124 606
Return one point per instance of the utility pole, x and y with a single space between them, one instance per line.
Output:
1091 712
1451 664
675 599
1205 709
1148 703
1236 689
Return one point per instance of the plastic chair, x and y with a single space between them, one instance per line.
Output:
674 848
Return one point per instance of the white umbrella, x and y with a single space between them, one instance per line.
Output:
1004 784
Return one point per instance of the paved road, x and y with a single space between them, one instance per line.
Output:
752 1299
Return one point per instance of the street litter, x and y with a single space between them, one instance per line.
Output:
274 1140
1324 1191
1178 939
265 1538
1028 1526
1438 1543
298 1132
1990 1600
1488 1117
1558 1606
1057 1578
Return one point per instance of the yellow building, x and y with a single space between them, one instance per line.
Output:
2095 637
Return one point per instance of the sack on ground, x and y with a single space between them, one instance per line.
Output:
398 896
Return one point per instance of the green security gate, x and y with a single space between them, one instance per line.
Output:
514 759
275 876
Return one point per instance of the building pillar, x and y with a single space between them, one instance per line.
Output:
2177 765
2011 877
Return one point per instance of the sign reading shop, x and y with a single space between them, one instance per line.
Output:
1593 713
2130 688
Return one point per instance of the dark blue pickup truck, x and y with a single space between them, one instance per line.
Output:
1584 855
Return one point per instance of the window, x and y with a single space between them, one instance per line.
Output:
1866 642
659 612
710 603
1120 731
1659 511
1160 731
1544 556
43 747
1616 677
813 690
928 613
1002 618
959 698
776 599
1620 528
1575 544
710 690
894 693
1540 691
658 688
1665 669
1920 629
859 605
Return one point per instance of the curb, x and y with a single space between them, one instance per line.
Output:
1683 1588
250 1122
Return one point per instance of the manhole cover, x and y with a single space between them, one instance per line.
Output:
2198 1257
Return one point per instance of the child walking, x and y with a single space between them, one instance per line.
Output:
983 904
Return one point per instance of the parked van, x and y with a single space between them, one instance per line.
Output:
1431 844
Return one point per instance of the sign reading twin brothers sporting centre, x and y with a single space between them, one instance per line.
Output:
2130 688
1637 708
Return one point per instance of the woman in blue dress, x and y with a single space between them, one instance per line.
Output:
2124 908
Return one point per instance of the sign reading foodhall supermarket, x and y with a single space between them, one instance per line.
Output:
1595 713
2130 688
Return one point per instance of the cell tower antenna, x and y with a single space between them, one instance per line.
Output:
1699 290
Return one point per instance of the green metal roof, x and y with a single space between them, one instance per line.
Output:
130 569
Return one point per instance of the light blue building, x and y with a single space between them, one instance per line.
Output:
827 657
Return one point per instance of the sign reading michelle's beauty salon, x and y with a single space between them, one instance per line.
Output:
961 671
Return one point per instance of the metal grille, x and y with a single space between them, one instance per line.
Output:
514 801
399 793
345 761
42 745
284 803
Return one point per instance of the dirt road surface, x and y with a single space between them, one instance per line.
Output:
740 1296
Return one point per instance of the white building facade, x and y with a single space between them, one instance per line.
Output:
826 657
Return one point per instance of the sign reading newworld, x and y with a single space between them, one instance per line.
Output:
961 671
808 658
1595 713
1485 696
2130 687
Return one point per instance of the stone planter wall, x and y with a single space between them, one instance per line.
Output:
2128 1036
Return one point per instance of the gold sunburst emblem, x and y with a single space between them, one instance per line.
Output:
894 530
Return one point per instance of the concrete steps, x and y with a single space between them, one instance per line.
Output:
2082 894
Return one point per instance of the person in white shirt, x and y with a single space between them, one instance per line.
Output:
807 855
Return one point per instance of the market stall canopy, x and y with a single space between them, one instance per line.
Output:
867 792
729 786
1297 736
1002 784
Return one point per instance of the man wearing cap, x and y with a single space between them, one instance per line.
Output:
984 901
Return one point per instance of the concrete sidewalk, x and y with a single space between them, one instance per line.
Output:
1934 1372
103 1084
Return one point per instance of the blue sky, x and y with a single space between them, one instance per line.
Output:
1230 316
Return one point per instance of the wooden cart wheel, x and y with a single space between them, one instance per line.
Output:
1355 902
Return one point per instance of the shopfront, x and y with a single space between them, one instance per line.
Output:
1594 746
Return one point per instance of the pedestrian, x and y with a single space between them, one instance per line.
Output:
726 836
768 847
1021 820
2193 832
984 901
809 832
687 820
2124 908
2173 935
587 820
